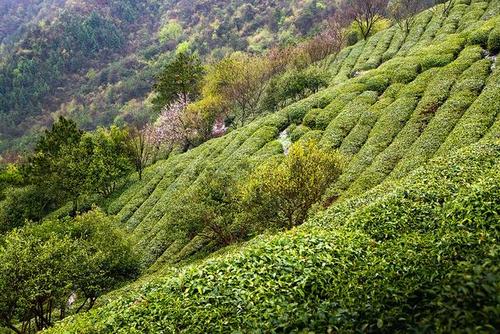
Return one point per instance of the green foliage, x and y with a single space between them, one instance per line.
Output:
420 255
43 265
109 162
58 165
282 192
181 79
212 209
67 164
172 30
494 40
293 85
239 81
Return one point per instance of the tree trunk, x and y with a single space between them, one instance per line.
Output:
75 206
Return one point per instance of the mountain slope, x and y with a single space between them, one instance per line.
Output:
410 241
387 121
95 61
421 257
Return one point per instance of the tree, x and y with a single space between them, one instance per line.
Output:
331 39
139 146
444 5
58 165
172 127
210 209
365 13
293 85
403 12
109 162
282 192
240 80
44 264
180 79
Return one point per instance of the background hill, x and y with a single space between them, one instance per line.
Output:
95 61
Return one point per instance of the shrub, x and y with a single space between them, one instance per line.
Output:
494 40
282 192
298 132
377 83
310 117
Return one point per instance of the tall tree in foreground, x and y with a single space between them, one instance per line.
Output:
365 13
58 165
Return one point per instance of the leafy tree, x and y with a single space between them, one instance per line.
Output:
293 85
59 163
365 13
43 265
179 80
212 209
240 79
282 192
110 161
201 118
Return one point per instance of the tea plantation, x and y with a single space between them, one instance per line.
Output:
411 241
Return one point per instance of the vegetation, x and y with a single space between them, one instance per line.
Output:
179 80
48 267
95 62
309 188
282 192
425 236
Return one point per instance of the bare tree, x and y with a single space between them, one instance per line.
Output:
140 149
403 12
444 6
364 12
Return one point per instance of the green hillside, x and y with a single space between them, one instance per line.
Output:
434 93
405 240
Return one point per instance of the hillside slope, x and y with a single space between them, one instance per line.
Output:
439 97
410 241
422 257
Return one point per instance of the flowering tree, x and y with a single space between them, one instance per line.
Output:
170 129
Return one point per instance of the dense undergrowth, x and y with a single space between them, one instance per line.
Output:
410 240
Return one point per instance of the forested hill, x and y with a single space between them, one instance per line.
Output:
94 60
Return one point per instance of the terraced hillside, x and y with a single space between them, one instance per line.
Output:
394 103
422 257
410 241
